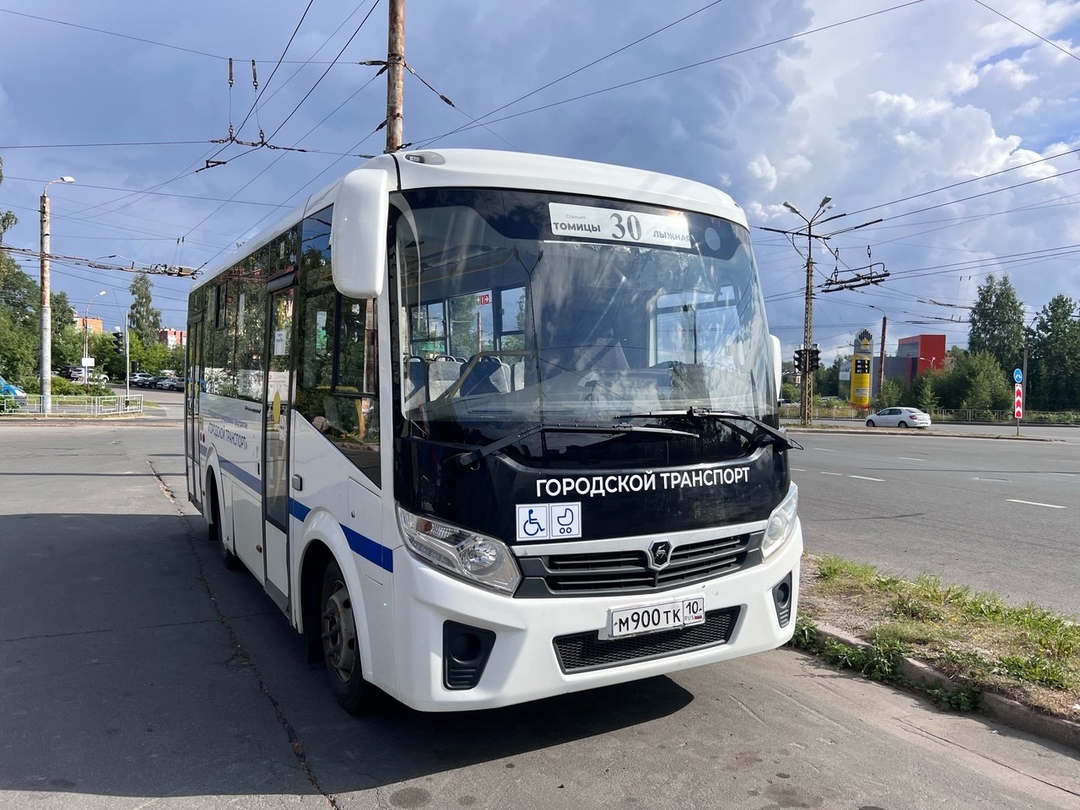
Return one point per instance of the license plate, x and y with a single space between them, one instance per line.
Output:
654 618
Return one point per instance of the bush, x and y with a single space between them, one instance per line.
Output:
63 387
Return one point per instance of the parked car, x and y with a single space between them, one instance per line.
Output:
11 390
82 375
136 378
170 383
900 417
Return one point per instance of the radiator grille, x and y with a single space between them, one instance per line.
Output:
584 651
627 570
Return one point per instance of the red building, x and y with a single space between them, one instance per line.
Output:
924 352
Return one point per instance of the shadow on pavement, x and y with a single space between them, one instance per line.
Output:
133 664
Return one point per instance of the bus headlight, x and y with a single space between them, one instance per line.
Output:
473 557
781 522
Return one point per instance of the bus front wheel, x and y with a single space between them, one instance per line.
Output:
217 535
341 648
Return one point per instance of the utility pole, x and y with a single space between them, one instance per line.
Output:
127 358
881 363
807 403
46 308
806 406
46 303
395 76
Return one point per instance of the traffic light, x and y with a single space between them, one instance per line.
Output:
799 356
118 339
815 359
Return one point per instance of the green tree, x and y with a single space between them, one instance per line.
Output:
7 218
827 379
19 294
150 357
1054 367
924 394
997 324
67 340
19 333
63 314
145 320
18 352
974 381
892 393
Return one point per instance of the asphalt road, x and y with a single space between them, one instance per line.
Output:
991 514
135 671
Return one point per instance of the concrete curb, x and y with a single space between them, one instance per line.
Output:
995 707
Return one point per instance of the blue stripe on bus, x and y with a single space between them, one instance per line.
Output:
242 475
364 546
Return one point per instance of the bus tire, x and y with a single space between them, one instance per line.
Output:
214 524
340 645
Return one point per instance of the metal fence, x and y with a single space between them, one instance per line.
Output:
115 405
940 415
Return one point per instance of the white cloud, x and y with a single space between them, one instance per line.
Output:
870 108
763 170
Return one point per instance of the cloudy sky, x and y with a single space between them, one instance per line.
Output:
954 122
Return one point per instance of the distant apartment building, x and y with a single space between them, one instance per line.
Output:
93 325
172 337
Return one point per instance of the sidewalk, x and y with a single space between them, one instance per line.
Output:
996 707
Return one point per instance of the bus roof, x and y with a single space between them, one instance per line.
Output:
494 169
484 168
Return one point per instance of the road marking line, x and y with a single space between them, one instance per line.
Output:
796 469
830 473
905 458
1067 475
867 478
1036 503
824 450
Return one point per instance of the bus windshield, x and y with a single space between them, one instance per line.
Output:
518 309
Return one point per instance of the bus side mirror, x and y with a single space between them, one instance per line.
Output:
358 238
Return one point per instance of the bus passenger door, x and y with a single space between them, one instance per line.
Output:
192 390
278 411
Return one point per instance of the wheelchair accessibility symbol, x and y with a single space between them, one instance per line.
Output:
548 521
531 527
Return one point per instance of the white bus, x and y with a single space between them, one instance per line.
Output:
491 427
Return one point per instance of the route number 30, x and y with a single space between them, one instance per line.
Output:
626 226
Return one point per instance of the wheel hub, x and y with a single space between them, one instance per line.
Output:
339 633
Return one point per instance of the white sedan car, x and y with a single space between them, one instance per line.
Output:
899 417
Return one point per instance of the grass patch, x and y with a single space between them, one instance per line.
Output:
1024 652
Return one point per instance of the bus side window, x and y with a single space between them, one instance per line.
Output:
338 382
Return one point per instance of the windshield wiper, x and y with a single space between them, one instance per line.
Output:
465 459
727 417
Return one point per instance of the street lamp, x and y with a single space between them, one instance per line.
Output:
46 307
86 337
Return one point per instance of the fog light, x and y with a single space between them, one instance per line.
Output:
781 594
465 654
